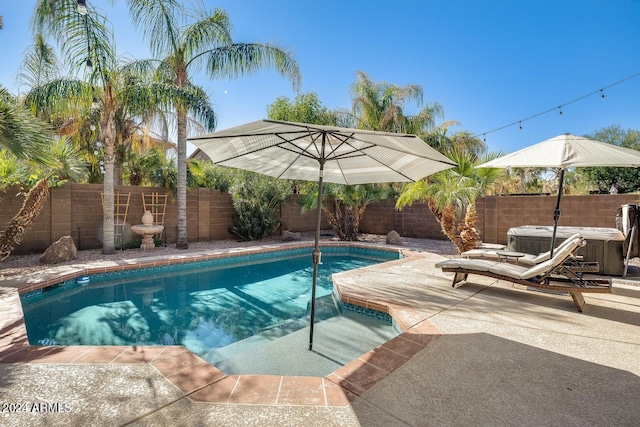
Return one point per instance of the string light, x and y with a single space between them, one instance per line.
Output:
519 122
82 7
94 100
89 66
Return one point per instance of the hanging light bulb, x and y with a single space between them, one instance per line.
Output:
601 94
92 127
560 108
82 7
94 103
520 125
89 65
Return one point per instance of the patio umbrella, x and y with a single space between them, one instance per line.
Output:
565 151
323 153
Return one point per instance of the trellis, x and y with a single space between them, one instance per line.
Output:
120 212
156 203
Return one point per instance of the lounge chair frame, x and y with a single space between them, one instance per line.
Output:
566 276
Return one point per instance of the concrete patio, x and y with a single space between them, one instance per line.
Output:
487 353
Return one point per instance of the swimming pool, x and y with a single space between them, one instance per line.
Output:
204 306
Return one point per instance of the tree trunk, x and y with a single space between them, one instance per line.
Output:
333 213
12 235
350 223
108 128
447 221
182 241
469 234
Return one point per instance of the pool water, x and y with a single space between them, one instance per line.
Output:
204 306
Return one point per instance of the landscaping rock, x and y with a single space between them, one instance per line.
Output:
288 236
393 238
62 250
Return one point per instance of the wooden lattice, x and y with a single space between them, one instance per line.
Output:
156 203
120 212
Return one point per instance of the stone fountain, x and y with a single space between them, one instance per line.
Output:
147 230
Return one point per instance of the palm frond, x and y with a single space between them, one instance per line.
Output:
239 59
160 20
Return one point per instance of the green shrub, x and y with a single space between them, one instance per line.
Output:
256 200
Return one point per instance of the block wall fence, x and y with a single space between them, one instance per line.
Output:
76 210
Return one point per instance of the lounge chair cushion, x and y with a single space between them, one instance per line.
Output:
560 255
508 269
545 255
512 270
527 259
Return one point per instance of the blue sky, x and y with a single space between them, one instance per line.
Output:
488 63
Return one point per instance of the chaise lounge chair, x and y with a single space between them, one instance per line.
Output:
526 260
556 274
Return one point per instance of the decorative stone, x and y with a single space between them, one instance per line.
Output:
393 238
288 236
147 218
147 231
62 250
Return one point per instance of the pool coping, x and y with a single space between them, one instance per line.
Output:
200 381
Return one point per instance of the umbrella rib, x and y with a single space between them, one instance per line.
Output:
314 137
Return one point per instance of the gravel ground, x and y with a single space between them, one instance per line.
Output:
16 265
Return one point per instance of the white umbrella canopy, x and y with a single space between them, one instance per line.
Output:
322 153
292 151
565 151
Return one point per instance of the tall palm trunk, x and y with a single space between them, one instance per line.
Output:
182 241
108 125
12 234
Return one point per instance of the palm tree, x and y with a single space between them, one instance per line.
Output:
344 205
86 39
120 99
28 140
451 196
185 49
380 106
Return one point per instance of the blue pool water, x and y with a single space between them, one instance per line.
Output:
204 306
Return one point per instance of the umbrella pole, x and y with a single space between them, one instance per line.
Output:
316 248
556 213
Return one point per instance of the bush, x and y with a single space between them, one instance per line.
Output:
256 200
253 222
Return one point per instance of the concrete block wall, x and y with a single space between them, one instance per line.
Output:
496 215
294 220
412 221
76 210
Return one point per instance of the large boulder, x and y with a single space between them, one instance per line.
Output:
62 250
393 238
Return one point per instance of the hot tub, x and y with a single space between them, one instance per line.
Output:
604 245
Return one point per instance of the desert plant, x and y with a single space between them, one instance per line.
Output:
256 200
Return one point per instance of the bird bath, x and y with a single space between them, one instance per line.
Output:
147 231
